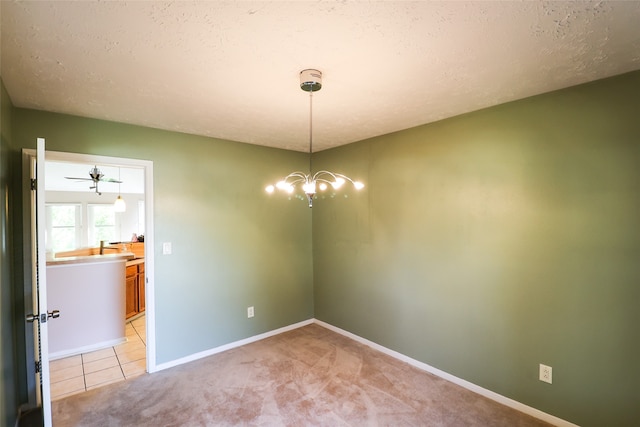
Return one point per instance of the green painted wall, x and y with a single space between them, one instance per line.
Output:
491 242
233 244
8 363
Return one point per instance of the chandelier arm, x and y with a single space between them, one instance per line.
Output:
345 177
323 172
334 175
295 181
299 175
291 180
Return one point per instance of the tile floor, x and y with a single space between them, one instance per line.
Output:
76 374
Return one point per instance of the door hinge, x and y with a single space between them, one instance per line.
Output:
34 184
38 366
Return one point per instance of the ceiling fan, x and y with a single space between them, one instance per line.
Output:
95 176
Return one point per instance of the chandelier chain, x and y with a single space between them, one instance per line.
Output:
310 131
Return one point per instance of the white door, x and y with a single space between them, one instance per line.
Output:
40 316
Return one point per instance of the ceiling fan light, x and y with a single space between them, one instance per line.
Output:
119 205
270 189
358 185
323 186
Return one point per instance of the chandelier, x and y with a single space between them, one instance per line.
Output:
311 81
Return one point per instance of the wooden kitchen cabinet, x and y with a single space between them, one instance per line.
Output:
134 289
141 284
130 294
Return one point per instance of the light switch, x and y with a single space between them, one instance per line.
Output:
166 248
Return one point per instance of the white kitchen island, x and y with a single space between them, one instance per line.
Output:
89 292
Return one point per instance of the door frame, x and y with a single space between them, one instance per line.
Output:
147 166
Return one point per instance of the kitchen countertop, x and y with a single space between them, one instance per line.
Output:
134 261
126 256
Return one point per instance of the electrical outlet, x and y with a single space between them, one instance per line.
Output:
250 312
545 373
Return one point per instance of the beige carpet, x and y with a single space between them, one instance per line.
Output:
307 377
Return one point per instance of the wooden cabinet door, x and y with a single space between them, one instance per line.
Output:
131 291
141 282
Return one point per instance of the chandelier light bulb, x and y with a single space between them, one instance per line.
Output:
309 187
337 183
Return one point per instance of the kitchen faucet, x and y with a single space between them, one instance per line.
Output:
103 247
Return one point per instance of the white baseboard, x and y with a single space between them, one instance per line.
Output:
458 381
229 346
86 349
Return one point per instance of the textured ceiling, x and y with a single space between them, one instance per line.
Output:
230 69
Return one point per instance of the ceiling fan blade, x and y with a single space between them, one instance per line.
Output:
111 180
80 179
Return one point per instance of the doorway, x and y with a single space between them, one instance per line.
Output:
145 324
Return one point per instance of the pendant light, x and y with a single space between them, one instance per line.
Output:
311 81
119 205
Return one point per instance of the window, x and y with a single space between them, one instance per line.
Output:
140 216
102 224
64 226
76 225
